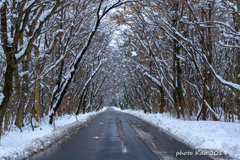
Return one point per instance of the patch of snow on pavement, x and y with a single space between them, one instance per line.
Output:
215 135
16 144
96 137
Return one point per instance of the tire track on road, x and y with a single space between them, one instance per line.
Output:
148 139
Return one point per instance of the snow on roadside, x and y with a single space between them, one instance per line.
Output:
16 145
220 136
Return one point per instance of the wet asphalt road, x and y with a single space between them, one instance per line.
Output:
114 135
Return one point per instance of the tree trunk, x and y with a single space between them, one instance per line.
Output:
8 76
204 106
80 102
23 95
177 71
6 121
7 90
175 52
205 81
37 95
84 102
162 100
179 87
176 107
209 57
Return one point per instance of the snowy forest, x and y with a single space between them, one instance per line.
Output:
74 56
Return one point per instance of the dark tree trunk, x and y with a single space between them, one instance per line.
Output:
8 76
23 95
162 99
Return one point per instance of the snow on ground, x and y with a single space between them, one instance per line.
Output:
17 145
219 136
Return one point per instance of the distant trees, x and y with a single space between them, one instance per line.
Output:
188 53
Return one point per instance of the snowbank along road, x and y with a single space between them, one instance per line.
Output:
118 136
